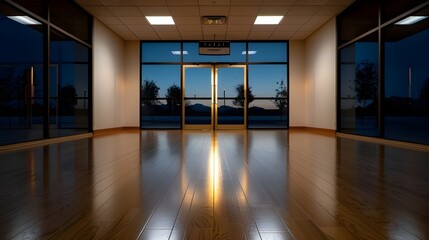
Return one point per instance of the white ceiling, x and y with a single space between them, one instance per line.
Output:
127 18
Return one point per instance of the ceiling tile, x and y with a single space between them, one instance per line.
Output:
319 19
247 2
214 11
214 28
214 36
301 35
311 2
110 20
263 28
330 10
295 19
239 27
170 35
244 11
149 2
241 20
187 20
88 2
214 2
191 35
128 36
117 2
165 28
99 11
278 2
237 35
134 20
140 28
288 27
118 27
189 27
259 35
303 10
185 11
339 2
274 10
310 27
147 35
182 2
125 11
281 35
154 10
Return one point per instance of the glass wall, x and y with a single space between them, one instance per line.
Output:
41 96
383 73
359 87
267 96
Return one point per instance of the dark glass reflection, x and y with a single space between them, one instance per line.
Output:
21 79
268 97
161 96
407 81
69 84
359 18
359 87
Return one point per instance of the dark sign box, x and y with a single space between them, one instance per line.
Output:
214 48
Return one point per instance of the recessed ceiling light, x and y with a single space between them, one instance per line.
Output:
410 20
178 52
160 20
26 20
249 52
268 20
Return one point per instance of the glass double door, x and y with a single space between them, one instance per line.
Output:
214 97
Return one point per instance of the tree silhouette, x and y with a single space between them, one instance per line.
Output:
173 95
281 95
239 100
149 93
366 82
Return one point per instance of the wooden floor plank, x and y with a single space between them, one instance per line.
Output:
236 184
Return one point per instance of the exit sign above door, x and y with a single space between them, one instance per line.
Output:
214 48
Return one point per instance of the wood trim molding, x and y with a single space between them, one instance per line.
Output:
323 131
383 141
107 131
42 142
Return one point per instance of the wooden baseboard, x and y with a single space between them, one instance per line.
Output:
383 141
42 142
323 131
108 131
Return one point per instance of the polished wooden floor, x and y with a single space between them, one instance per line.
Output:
214 185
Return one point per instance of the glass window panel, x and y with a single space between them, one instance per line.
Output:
230 99
266 79
406 103
359 18
37 7
161 52
198 93
269 87
21 79
359 87
161 97
69 83
236 54
267 52
394 8
72 18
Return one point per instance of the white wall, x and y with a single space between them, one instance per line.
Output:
320 78
297 83
131 110
108 77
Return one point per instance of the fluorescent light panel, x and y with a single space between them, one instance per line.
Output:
249 52
160 20
268 20
25 20
410 20
178 52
